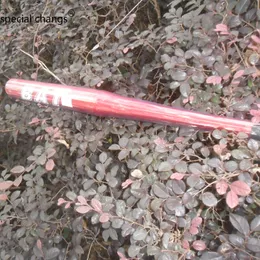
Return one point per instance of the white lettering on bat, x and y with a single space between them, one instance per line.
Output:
41 97
57 97
56 100
66 100
27 94
63 98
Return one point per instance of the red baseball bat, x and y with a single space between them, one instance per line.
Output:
104 103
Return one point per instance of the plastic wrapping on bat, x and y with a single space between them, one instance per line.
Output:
107 104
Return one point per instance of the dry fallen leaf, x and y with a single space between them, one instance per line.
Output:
64 143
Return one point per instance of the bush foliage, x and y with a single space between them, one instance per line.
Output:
76 186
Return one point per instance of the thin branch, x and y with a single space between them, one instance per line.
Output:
44 67
38 26
108 34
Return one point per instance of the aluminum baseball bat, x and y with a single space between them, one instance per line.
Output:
107 104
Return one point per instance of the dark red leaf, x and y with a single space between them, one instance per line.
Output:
5 185
82 200
221 28
255 38
232 199
126 183
185 244
172 40
61 201
34 75
83 209
49 129
96 204
240 188
254 112
34 120
122 257
217 149
39 244
194 230
255 119
160 141
68 203
221 187
199 245
179 139
177 176
49 165
196 221
214 80
238 74
104 217
3 197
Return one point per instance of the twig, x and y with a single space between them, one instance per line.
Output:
38 26
58 192
239 53
44 67
2 166
7 130
120 22
157 10
90 247
34 39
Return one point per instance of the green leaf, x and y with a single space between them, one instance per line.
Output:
255 224
242 6
209 199
160 191
164 166
52 253
239 223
